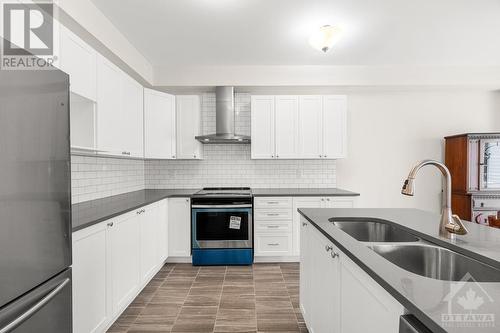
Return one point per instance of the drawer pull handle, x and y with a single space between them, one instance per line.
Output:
110 224
273 244
273 202
328 248
273 214
273 226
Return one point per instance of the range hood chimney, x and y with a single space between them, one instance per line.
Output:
224 120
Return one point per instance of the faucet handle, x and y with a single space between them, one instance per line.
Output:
457 227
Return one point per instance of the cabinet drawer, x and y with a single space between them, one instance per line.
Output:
273 202
283 227
273 245
273 214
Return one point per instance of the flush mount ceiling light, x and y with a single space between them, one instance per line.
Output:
325 37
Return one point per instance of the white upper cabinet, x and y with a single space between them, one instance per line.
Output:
188 119
299 127
132 117
262 127
78 60
286 130
109 106
119 112
159 125
310 126
334 126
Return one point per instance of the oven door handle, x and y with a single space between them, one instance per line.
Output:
222 206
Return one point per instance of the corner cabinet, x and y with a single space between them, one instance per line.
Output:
334 291
188 119
299 127
159 125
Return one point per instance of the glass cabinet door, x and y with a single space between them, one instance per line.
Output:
490 165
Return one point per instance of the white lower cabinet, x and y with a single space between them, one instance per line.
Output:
123 249
360 294
315 202
90 275
150 249
163 230
112 261
335 292
179 227
273 227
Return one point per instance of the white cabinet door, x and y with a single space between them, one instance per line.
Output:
148 220
286 126
188 118
159 125
310 133
360 294
325 286
301 202
124 253
179 227
306 270
334 126
89 279
78 60
131 117
109 107
163 231
262 127
339 202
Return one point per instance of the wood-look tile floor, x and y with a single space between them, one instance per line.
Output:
182 298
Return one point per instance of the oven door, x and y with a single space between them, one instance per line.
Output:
489 165
221 227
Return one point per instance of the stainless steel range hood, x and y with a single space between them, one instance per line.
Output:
224 120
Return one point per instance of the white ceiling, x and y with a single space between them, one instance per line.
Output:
275 32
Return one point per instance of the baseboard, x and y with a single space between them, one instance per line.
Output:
257 259
266 259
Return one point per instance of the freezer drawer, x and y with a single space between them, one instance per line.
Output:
45 309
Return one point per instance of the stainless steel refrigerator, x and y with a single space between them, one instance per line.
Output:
35 202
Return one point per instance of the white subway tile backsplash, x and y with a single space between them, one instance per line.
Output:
99 177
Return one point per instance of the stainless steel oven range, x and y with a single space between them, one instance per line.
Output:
222 226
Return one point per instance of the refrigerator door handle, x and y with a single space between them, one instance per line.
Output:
35 308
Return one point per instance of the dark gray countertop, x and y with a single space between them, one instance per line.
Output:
301 192
87 213
424 297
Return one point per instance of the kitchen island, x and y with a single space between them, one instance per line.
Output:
347 286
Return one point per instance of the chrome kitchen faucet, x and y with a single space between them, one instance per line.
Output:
450 224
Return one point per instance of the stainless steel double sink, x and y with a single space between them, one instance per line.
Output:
409 252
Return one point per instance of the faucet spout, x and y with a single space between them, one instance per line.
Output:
450 224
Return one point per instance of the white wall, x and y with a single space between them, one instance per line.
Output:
90 18
390 131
